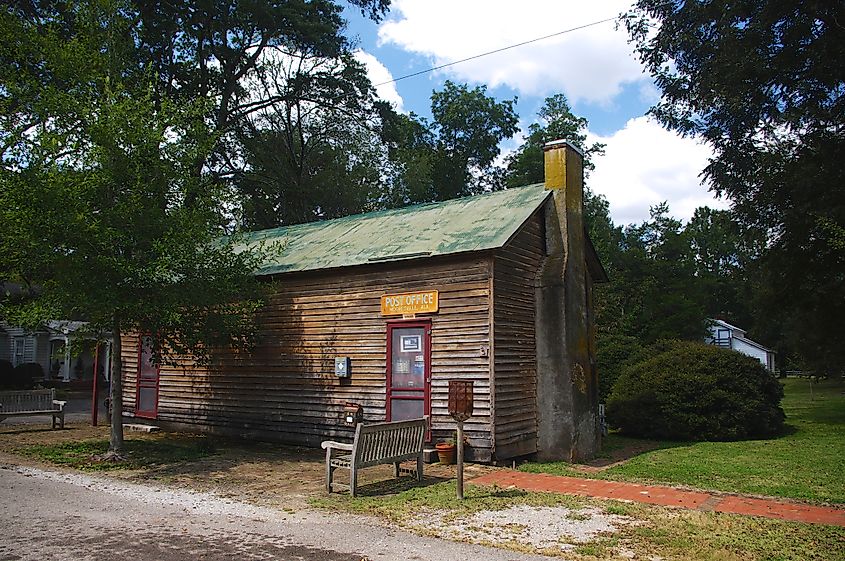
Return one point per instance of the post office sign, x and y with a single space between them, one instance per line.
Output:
410 303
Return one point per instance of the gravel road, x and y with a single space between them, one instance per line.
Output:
68 516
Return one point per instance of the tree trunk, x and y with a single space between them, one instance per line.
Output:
116 395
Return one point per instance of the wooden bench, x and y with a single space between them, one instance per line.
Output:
27 403
377 443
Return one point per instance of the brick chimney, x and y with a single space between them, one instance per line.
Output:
567 384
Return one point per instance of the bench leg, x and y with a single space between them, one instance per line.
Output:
420 467
353 480
396 470
329 471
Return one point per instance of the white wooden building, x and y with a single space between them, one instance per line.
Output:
725 335
52 346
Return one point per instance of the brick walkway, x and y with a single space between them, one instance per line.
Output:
664 496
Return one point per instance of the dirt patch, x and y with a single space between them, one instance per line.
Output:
265 474
15 436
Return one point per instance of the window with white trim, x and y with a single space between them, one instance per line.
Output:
18 351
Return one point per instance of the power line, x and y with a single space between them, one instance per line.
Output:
426 71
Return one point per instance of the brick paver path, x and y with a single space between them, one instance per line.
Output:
664 496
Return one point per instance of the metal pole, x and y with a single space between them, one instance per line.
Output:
460 460
94 393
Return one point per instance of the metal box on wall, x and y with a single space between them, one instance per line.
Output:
341 366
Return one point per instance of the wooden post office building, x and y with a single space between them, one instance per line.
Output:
383 309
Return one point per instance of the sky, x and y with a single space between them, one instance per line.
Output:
594 67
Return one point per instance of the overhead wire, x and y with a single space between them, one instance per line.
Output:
515 45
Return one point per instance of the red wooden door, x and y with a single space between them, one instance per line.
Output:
408 370
146 396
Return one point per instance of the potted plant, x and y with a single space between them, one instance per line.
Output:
446 451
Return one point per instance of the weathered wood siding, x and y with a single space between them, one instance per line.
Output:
129 357
286 389
514 347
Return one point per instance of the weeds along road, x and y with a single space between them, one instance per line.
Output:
70 516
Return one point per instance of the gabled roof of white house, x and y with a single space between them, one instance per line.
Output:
753 344
65 326
722 323
477 223
726 325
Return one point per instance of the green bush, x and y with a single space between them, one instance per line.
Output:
681 390
25 375
613 352
7 375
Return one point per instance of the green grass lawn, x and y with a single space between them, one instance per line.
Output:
138 453
808 463
652 532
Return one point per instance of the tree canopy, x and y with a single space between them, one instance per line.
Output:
762 83
313 153
455 154
555 121
111 204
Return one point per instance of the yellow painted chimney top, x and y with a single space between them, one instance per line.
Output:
558 155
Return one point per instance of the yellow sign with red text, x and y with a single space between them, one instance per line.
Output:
409 303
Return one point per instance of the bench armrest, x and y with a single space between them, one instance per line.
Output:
331 444
61 404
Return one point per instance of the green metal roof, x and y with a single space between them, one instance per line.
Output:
469 224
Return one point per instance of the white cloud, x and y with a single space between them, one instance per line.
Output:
589 64
649 92
379 74
644 164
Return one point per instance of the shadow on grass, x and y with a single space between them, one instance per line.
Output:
787 430
138 453
393 486
30 429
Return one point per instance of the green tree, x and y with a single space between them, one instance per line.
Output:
725 259
762 83
556 122
214 49
410 144
469 125
188 49
655 282
313 153
102 216
454 154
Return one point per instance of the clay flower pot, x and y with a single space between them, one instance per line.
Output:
446 453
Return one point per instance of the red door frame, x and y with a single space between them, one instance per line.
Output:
145 384
425 324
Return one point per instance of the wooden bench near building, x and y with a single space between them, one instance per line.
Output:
32 403
376 444
383 309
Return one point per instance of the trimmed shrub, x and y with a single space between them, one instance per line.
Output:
26 374
7 375
613 352
681 390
